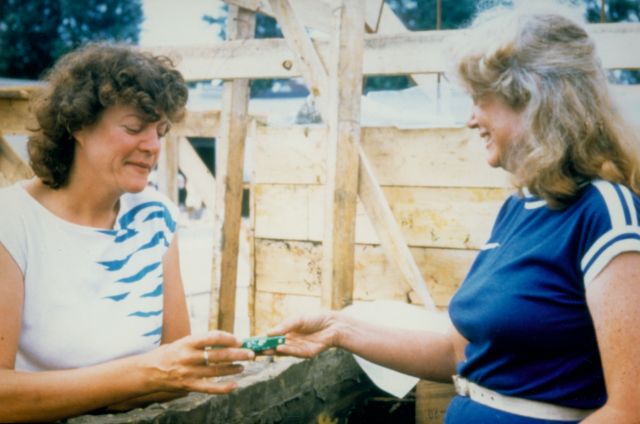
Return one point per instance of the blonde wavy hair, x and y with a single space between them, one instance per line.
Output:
545 65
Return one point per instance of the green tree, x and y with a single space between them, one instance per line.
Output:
34 33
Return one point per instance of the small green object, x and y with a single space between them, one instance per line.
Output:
260 343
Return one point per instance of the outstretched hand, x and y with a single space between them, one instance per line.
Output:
307 335
188 364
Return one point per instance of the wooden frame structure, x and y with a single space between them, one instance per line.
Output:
333 68
366 39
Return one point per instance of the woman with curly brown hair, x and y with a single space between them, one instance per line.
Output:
91 298
545 325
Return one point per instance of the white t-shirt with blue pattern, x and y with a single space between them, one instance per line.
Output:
91 295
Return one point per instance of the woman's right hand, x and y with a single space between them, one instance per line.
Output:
191 363
307 335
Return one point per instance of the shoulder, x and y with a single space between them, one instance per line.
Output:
615 202
15 201
609 214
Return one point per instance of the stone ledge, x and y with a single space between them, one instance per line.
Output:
287 390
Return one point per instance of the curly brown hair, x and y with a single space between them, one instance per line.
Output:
85 82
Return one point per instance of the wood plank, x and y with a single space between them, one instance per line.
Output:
429 217
434 157
384 54
23 92
341 187
16 116
230 165
168 168
294 267
313 69
12 168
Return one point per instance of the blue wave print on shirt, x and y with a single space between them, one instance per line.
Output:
164 213
140 274
119 263
139 240
143 314
156 332
155 292
117 297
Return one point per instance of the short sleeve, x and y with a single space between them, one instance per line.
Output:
12 226
612 228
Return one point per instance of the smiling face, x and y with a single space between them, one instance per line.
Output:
119 150
499 125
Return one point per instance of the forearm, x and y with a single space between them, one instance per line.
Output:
608 414
425 354
51 395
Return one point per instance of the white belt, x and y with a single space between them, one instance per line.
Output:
518 406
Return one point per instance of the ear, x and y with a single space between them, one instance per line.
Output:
80 136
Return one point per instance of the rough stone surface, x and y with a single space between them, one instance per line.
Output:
284 391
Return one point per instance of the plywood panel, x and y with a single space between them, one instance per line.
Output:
429 217
290 267
273 308
445 157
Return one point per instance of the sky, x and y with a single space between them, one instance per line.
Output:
171 22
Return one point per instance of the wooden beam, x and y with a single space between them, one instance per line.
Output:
389 232
384 54
230 165
311 66
23 92
316 14
341 188
390 23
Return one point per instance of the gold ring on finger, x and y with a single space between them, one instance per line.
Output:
205 355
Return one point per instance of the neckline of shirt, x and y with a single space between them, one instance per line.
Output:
20 187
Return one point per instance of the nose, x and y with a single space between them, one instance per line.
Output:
472 122
151 141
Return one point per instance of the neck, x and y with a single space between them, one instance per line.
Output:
82 204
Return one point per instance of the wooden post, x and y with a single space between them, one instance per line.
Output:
168 168
370 193
345 90
229 177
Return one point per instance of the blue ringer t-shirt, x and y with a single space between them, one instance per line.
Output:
523 304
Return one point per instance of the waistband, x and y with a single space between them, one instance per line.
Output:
518 406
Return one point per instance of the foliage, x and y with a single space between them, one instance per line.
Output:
34 33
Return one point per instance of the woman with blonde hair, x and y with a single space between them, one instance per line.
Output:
545 323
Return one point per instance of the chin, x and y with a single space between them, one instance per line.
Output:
135 187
